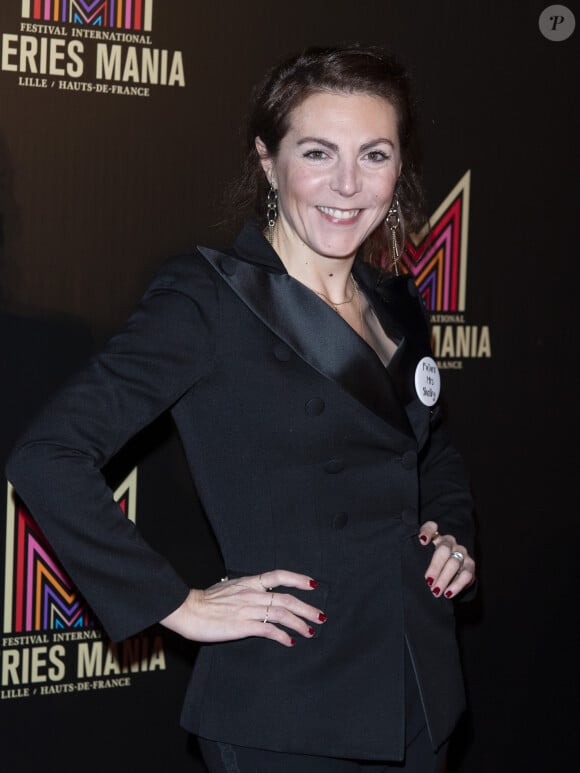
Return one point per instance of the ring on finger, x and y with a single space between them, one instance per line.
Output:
458 555
262 584
265 620
435 536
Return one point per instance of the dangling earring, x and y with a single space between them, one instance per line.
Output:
393 221
272 212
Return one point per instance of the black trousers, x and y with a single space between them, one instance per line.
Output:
222 757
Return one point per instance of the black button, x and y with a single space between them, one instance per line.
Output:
314 407
409 460
339 521
282 352
334 465
409 516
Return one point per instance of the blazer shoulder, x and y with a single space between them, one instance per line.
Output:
187 274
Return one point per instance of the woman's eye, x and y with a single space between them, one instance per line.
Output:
315 155
377 155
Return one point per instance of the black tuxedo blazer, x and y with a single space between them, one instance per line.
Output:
308 455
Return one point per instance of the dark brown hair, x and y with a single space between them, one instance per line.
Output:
344 69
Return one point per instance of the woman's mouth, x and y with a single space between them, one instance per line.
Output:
339 214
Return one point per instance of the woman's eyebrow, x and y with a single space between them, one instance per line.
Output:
319 141
378 141
332 146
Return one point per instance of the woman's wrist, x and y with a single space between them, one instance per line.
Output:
180 620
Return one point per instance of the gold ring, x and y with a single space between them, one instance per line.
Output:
262 584
435 536
265 620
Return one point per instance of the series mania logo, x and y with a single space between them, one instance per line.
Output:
437 261
95 46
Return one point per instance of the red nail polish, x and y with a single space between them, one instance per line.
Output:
423 538
322 617
292 642
429 581
311 631
436 591
313 584
448 594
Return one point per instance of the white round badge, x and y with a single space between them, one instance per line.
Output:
427 381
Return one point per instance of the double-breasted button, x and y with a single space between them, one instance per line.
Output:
333 466
340 521
409 516
228 266
282 352
409 460
314 407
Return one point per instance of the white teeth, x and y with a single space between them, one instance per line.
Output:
339 214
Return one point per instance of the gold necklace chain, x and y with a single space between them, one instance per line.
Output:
339 303
355 292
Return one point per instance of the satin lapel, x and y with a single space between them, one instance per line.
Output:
395 303
316 333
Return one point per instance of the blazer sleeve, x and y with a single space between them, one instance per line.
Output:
164 349
444 486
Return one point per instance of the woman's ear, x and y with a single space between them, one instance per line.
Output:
266 161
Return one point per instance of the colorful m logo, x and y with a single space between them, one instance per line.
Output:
437 258
38 594
120 14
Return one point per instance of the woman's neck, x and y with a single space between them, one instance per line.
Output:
326 276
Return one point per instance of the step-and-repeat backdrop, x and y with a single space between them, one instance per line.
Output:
119 129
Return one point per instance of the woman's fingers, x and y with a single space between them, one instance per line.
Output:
260 590
283 578
288 611
428 532
462 580
451 569
272 632
245 606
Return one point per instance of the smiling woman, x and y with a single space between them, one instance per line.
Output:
303 376
335 172
350 70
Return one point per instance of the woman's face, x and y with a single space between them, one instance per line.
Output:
335 172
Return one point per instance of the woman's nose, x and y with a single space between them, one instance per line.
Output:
346 178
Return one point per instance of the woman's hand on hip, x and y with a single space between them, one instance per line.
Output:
452 569
247 606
